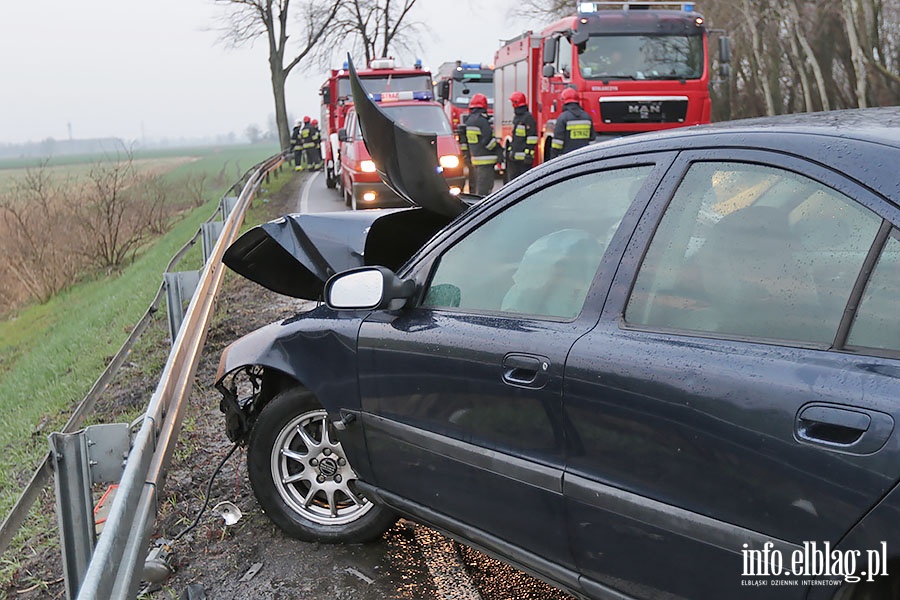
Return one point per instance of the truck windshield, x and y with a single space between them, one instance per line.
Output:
463 90
641 57
428 118
394 83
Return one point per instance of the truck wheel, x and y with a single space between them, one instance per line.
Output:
301 477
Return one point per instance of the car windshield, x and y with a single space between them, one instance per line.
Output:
429 118
463 90
641 57
393 83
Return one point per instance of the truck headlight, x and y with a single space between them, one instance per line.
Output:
367 166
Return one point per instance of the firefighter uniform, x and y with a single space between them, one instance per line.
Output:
296 145
574 127
306 143
482 145
524 137
315 152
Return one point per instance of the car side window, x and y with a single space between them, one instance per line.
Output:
876 324
538 256
752 251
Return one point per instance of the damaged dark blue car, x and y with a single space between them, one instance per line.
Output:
637 371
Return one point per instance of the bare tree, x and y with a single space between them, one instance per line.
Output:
248 20
374 27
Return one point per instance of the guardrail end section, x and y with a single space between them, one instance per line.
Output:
96 454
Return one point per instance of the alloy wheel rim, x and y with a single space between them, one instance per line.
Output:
312 474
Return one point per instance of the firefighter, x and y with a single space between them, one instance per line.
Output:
296 145
574 127
482 145
524 137
305 144
315 137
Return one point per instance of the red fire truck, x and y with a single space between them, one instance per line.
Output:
456 82
638 66
382 77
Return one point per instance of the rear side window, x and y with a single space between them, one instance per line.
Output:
753 251
539 256
877 322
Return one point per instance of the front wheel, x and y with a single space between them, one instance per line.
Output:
302 478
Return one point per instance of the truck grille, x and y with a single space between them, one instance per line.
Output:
644 109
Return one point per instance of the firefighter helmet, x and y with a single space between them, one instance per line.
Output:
569 95
306 119
518 99
315 123
478 101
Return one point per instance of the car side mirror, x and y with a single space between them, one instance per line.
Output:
342 135
368 288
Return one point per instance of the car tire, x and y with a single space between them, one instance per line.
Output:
301 477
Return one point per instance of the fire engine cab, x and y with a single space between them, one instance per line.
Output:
456 82
638 67
381 77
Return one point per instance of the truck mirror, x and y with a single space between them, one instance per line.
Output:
549 71
550 50
326 96
724 50
342 135
724 71
444 91
579 37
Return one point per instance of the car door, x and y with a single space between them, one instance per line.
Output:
727 399
461 392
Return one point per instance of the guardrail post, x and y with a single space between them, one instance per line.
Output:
93 455
227 205
209 233
180 287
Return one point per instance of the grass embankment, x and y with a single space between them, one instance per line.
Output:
51 354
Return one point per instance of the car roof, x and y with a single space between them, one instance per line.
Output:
862 143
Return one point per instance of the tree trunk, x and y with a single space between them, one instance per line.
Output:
810 56
856 53
757 58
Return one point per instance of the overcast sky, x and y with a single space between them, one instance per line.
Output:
154 69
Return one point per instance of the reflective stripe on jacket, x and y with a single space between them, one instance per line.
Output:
524 135
480 138
574 129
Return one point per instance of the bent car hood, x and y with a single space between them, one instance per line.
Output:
407 161
294 255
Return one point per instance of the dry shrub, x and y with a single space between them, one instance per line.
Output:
120 209
53 231
38 245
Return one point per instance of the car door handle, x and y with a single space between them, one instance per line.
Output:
526 370
853 430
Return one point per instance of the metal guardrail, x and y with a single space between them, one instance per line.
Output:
113 568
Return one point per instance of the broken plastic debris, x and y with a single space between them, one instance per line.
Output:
228 511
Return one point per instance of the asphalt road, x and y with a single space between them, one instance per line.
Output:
413 561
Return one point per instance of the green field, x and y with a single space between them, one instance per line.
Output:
51 354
